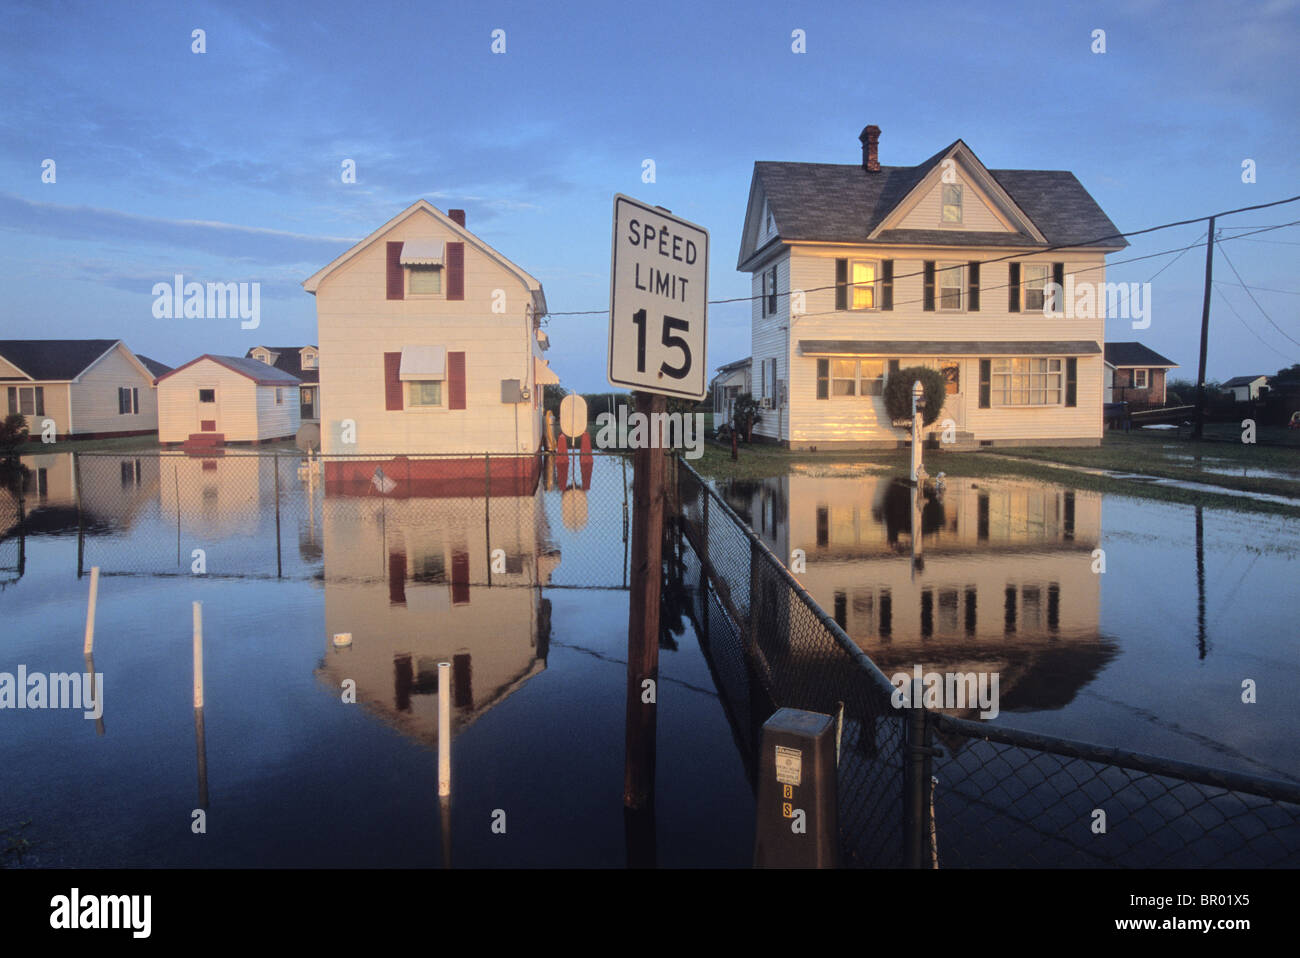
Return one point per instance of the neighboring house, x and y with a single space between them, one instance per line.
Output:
731 381
86 388
893 266
1136 374
155 367
1245 388
430 342
302 362
218 399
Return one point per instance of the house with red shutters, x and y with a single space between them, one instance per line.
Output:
430 345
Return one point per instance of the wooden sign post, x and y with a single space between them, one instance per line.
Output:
643 614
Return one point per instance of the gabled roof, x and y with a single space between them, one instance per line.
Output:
289 359
843 203
737 364
312 282
1241 381
154 367
256 370
54 360
1135 354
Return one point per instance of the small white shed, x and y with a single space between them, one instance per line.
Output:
215 399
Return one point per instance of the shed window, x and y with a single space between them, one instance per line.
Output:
279 396
1140 379
207 395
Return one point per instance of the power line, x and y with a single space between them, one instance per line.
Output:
998 259
1261 289
1223 296
1252 297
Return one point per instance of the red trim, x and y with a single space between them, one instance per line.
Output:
396 282
455 271
455 380
392 381
396 578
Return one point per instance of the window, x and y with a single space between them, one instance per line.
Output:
425 279
856 377
123 400
863 275
768 296
262 356
952 280
1140 379
279 396
308 360
425 393
1028 381
952 203
28 400
1035 286
207 395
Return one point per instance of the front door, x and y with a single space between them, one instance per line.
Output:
308 402
954 406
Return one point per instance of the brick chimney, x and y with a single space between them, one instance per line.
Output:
458 216
870 138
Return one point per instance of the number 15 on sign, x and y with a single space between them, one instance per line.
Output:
659 290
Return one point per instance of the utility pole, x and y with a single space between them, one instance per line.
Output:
1205 332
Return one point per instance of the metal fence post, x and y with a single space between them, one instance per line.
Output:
916 782
487 512
279 562
81 525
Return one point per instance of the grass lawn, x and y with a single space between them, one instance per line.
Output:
1131 453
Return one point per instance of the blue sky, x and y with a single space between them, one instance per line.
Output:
226 166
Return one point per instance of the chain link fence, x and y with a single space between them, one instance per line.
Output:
924 789
470 520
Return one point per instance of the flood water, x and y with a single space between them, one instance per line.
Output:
1149 655
523 595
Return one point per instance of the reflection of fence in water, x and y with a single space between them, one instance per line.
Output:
1004 798
260 516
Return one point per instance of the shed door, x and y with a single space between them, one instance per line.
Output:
207 406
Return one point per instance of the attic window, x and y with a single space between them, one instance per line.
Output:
425 279
769 223
952 203
308 360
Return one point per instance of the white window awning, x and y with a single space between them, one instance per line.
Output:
422 253
543 375
423 363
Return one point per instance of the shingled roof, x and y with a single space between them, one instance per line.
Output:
843 203
254 369
54 360
289 359
1134 354
155 367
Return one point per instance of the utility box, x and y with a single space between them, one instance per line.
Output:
797 822
511 391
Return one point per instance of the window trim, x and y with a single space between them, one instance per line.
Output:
997 392
944 204
409 273
858 379
960 271
1146 379
874 285
409 395
1025 280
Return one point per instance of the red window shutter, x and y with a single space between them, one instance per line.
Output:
392 381
396 281
455 380
397 578
455 271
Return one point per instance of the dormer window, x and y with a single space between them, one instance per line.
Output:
309 359
952 203
262 356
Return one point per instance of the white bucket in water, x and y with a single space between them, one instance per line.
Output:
342 640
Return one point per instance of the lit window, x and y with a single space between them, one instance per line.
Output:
1035 286
1026 381
844 377
863 278
426 393
952 281
952 202
857 377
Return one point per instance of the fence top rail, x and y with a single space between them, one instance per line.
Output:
1137 761
851 648
221 452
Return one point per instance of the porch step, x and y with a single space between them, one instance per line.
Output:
202 440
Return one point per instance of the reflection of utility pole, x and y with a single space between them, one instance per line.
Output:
1200 583
918 503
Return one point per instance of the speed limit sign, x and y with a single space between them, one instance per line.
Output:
658 295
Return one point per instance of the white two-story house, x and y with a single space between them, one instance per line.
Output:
429 344
860 270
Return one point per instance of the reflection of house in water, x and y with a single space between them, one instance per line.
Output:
115 490
413 581
218 497
1006 584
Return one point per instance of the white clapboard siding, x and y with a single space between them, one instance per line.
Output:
771 340
94 396
357 324
245 411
